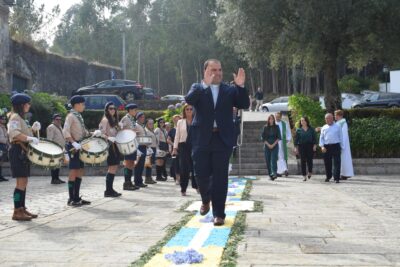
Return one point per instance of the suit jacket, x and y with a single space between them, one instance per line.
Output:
201 99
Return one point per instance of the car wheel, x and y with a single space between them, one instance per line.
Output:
130 97
264 109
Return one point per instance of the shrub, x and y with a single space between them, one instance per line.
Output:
5 101
302 105
355 84
375 137
360 113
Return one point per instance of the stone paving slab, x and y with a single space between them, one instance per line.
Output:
313 223
110 232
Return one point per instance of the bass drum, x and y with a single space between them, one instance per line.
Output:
125 141
46 154
94 150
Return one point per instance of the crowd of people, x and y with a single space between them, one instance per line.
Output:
333 142
199 144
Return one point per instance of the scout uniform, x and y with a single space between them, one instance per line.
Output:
74 127
162 145
140 131
19 162
153 146
113 152
55 133
129 122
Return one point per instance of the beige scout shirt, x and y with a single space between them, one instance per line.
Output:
106 129
3 135
55 134
140 130
127 123
161 135
16 126
73 128
153 137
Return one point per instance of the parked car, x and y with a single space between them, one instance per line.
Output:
97 102
379 100
347 100
149 93
278 104
173 97
126 89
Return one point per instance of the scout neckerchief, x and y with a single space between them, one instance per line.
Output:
284 140
144 128
342 122
80 118
165 134
132 119
59 128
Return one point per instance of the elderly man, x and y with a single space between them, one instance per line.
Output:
212 134
283 149
54 132
331 143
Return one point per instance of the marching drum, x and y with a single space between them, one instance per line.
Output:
144 140
94 150
161 153
125 141
46 153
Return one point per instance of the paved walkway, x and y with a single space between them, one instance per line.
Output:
110 232
354 223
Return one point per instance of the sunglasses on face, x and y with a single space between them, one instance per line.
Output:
57 119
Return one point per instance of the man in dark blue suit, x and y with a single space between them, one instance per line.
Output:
212 134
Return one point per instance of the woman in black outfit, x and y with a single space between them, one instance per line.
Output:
305 146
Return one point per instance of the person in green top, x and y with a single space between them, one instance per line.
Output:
271 135
305 146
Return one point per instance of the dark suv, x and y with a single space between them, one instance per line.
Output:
126 89
97 102
379 100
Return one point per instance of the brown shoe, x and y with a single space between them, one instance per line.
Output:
218 221
19 215
204 209
34 216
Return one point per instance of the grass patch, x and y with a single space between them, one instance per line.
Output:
185 206
171 231
258 206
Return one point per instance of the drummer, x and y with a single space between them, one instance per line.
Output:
54 133
74 131
142 149
109 128
129 122
20 134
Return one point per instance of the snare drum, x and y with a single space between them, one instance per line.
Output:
161 153
46 154
125 141
144 140
94 150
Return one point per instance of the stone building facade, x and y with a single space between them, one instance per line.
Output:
24 67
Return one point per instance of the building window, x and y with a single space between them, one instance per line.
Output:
19 84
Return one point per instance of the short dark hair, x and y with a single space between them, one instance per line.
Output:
208 61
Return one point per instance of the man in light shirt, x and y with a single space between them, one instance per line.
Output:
331 143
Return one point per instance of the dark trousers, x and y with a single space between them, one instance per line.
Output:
186 166
306 158
55 174
211 165
332 152
271 157
140 166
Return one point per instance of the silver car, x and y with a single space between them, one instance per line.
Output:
278 104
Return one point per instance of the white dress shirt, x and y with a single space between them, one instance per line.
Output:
331 134
215 92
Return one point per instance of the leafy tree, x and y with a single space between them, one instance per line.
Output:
315 34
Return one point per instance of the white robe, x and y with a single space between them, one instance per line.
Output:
346 168
282 165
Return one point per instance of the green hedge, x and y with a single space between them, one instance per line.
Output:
92 117
375 137
301 105
360 113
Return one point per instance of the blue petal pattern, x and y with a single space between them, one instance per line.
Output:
181 257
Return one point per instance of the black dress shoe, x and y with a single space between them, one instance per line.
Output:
161 179
279 175
72 203
2 179
286 173
327 180
84 202
337 181
343 177
129 186
112 194
204 209
56 182
61 181
218 221
141 185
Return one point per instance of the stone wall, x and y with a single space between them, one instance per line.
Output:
4 44
53 73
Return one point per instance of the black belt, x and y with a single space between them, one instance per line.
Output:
215 129
335 144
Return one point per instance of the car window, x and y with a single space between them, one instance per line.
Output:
104 84
285 99
276 100
96 102
373 97
118 83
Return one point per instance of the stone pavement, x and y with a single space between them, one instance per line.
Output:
110 232
354 223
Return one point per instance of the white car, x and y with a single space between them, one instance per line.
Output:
173 97
347 100
278 104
